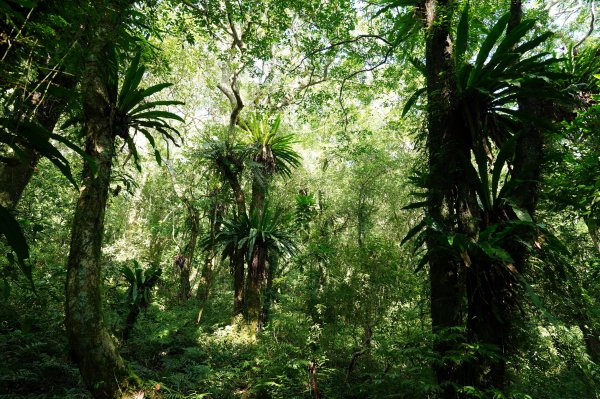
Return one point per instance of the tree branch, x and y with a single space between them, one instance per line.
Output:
590 31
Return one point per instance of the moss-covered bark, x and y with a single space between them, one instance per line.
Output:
92 347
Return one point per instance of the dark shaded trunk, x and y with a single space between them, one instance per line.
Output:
258 270
15 173
132 316
488 323
269 295
15 176
238 257
445 150
256 277
92 347
206 277
492 287
591 338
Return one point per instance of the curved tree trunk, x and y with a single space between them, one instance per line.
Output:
92 347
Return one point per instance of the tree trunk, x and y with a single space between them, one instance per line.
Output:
256 277
443 145
268 296
16 172
92 347
591 338
15 176
207 271
186 262
132 316
238 256
102 368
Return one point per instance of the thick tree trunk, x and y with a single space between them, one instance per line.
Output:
238 256
132 316
207 271
103 370
488 323
257 272
256 277
92 347
492 287
443 147
268 296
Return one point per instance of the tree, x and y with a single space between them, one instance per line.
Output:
108 112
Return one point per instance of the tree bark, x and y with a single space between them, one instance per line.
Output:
15 172
188 253
92 347
256 277
238 257
207 271
444 152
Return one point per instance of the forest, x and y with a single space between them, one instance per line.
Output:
299 199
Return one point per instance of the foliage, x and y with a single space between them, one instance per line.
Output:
347 311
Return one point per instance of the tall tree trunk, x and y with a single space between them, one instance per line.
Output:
443 145
257 270
92 347
492 287
268 295
238 257
185 262
207 271
256 277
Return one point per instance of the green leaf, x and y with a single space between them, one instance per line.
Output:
412 100
133 77
506 152
487 46
158 114
522 214
153 104
10 228
511 39
495 253
416 205
414 231
134 98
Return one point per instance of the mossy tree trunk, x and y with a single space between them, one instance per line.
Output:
445 147
238 255
257 269
92 347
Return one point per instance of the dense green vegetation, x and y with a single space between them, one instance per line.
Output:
299 199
